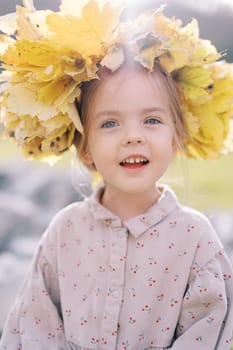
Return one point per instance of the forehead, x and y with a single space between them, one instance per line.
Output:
131 88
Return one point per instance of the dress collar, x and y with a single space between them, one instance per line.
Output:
137 225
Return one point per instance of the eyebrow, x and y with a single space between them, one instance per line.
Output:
113 112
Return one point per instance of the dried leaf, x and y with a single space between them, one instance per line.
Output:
114 59
26 29
95 26
23 101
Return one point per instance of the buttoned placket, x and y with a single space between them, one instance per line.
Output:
116 279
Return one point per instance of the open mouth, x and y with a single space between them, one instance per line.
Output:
134 162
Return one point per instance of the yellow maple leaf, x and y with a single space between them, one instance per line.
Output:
94 27
212 129
59 140
72 112
57 122
32 148
23 101
147 57
198 150
194 80
36 53
49 93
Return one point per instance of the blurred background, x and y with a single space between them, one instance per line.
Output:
32 192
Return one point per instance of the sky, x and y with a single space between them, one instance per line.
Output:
208 5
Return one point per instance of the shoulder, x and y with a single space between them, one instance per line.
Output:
195 217
197 220
69 219
200 227
194 229
183 214
75 212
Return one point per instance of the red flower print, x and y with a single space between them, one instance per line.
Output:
44 292
69 223
141 337
171 245
226 277
68 312
173 302
103 341
152 281
90 250
60 327
94 340
134 269
210 320
111 268
37 320
202 289
154 232
147 309
152 261
139 245
160 297
166 329
133 292
83 321
101 268
199 338
172 224
190 228
131 320
51 335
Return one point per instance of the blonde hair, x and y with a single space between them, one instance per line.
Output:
89 90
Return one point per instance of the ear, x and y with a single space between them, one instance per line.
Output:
87 158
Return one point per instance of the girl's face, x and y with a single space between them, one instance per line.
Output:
131 136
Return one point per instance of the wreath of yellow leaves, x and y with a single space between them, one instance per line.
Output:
47 55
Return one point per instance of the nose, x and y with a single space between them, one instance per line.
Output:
134 135
137 140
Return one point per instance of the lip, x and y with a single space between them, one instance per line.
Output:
135 156
134 163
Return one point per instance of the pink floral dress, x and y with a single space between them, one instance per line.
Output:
157 281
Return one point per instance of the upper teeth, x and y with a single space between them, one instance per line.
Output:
134 160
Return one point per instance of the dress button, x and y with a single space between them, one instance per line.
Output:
116 294
121 233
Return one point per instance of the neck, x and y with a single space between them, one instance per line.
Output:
126 205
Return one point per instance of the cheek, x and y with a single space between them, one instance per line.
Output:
93 150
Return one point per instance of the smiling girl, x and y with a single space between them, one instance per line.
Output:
130 138
129 267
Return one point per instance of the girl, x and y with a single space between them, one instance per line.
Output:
129 267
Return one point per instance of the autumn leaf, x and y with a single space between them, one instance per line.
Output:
88 33
194 81
113 59
25 29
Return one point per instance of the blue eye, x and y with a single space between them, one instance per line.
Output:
152 121
109 124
